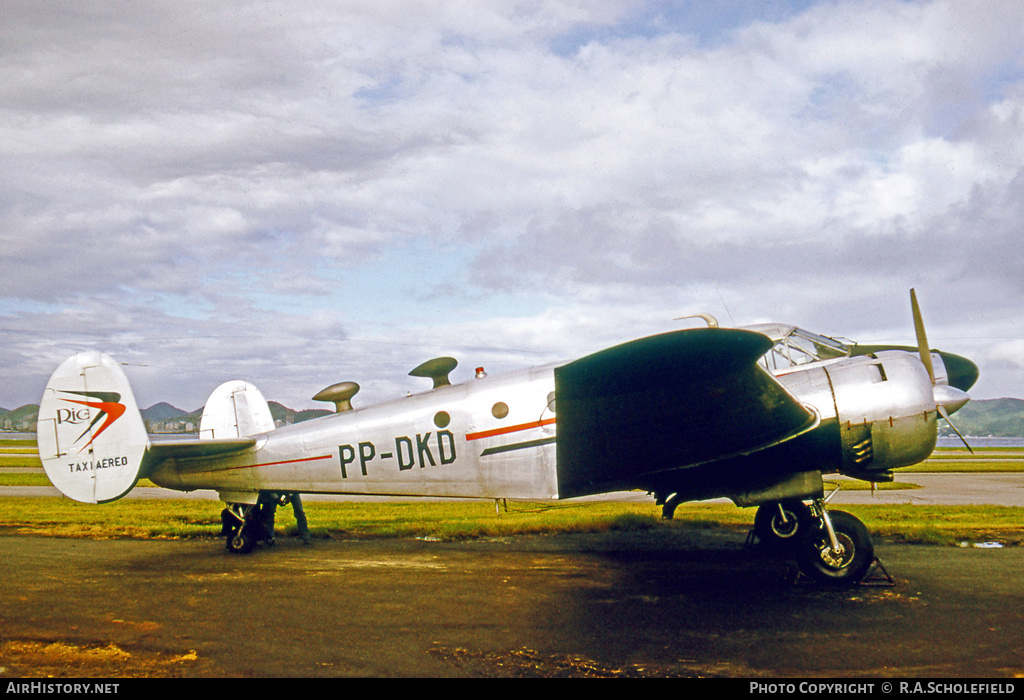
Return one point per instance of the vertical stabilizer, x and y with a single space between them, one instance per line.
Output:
235 409
90 432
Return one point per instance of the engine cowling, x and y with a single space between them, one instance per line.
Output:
884 405
886 413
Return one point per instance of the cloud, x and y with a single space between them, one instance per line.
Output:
298 192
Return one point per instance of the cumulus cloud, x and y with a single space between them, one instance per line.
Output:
295 192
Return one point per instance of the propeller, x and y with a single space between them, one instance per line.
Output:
922 339
947 398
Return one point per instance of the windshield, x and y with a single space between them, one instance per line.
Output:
798 347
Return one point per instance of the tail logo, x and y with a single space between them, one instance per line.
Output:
108 404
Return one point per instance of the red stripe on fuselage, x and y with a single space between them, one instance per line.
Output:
509 429
267 464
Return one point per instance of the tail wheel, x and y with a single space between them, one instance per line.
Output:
241 540
845 565
778 524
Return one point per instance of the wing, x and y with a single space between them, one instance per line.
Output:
668 402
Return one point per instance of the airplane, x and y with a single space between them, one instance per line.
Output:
754 414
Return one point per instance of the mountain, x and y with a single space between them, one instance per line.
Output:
165 418
159 418
991 417
161 412
21 419
287 416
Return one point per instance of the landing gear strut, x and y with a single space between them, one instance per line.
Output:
240 527
831 547
836 549
244 526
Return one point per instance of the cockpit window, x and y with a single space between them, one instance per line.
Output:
799 347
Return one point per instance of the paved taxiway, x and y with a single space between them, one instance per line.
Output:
1005 489
693 604
946 489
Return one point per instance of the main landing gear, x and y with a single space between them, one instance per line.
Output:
831 547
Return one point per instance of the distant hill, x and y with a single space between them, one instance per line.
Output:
159 418
992 417
164 418
21 419
161 412
288 416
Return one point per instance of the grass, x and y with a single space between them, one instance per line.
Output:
186 518
976 466
18 445
943 525
448 521
984 459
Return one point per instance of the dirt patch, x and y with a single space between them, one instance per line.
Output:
526 663
27 659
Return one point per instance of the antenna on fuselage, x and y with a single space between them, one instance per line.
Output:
436 369
339 394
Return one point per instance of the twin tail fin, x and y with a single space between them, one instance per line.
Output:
91 436
92 439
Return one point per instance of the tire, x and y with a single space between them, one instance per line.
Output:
848 568
241 541
773 531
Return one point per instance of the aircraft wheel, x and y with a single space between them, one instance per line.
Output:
845 567
781 528
241 540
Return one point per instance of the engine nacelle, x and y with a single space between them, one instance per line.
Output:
883 405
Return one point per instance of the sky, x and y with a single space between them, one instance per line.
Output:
302 193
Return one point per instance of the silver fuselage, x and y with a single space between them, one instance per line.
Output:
496 437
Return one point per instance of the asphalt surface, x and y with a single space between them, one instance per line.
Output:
948 489
697 604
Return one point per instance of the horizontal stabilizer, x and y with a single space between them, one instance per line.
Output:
187 449
668 402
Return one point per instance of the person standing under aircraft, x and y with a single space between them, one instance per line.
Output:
300 516
267 505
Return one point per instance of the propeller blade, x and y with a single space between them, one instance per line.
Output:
922 339
945 416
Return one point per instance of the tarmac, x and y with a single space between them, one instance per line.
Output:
697 603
